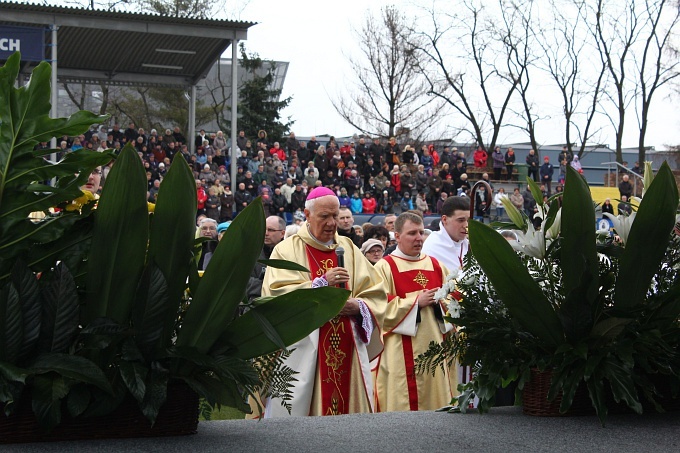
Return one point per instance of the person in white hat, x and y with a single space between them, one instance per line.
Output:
373 250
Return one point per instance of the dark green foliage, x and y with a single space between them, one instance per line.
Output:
259 107
25 122
609 320
120 237
60 310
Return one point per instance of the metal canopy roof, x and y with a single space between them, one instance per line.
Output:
121 48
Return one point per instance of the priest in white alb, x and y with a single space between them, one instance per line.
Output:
334 375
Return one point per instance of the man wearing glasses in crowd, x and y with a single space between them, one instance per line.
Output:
276 229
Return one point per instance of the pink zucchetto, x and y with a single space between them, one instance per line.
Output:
320 192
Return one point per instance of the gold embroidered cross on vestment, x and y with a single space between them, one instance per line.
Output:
421 279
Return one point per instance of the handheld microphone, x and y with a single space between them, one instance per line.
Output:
340 252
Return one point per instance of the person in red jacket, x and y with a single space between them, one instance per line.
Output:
434 154
201 198
278 151
395 179
368 203
480 157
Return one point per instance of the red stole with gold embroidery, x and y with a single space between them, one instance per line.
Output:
336 345
406 282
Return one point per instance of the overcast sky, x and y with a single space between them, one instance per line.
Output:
315 37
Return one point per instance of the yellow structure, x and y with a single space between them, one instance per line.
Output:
599 194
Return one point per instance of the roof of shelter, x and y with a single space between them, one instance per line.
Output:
122 48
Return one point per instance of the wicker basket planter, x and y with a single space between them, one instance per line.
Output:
535 396
178 416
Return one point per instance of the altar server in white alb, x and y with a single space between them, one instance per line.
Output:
450 244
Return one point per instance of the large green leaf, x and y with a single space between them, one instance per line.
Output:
11 332
26 285
155 395
216 391
518 291
133 375
72 172
30 171
294 316
12 373
48 391
24 122
597 397
579 262
78 400
60 310
622 384
224 283
71 366
647 240
667 311
71 249
119 241
579 252
172 238
150 310
268 330
284 264
535 191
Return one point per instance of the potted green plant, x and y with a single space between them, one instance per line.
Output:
95 314
598 314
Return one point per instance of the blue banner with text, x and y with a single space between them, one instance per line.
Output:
30 41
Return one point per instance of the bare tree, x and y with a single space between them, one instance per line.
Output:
79 94
566 47
460 61
77 97
516 33
653 70
105 97
219 90
632 37
391 95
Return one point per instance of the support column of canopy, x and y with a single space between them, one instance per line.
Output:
55 87
191 137
234 105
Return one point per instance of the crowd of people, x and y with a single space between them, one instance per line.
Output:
369 175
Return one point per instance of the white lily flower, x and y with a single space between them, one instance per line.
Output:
532 243
555 228
453 307
622 224
647 177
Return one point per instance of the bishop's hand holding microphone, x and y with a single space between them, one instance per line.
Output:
338 276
